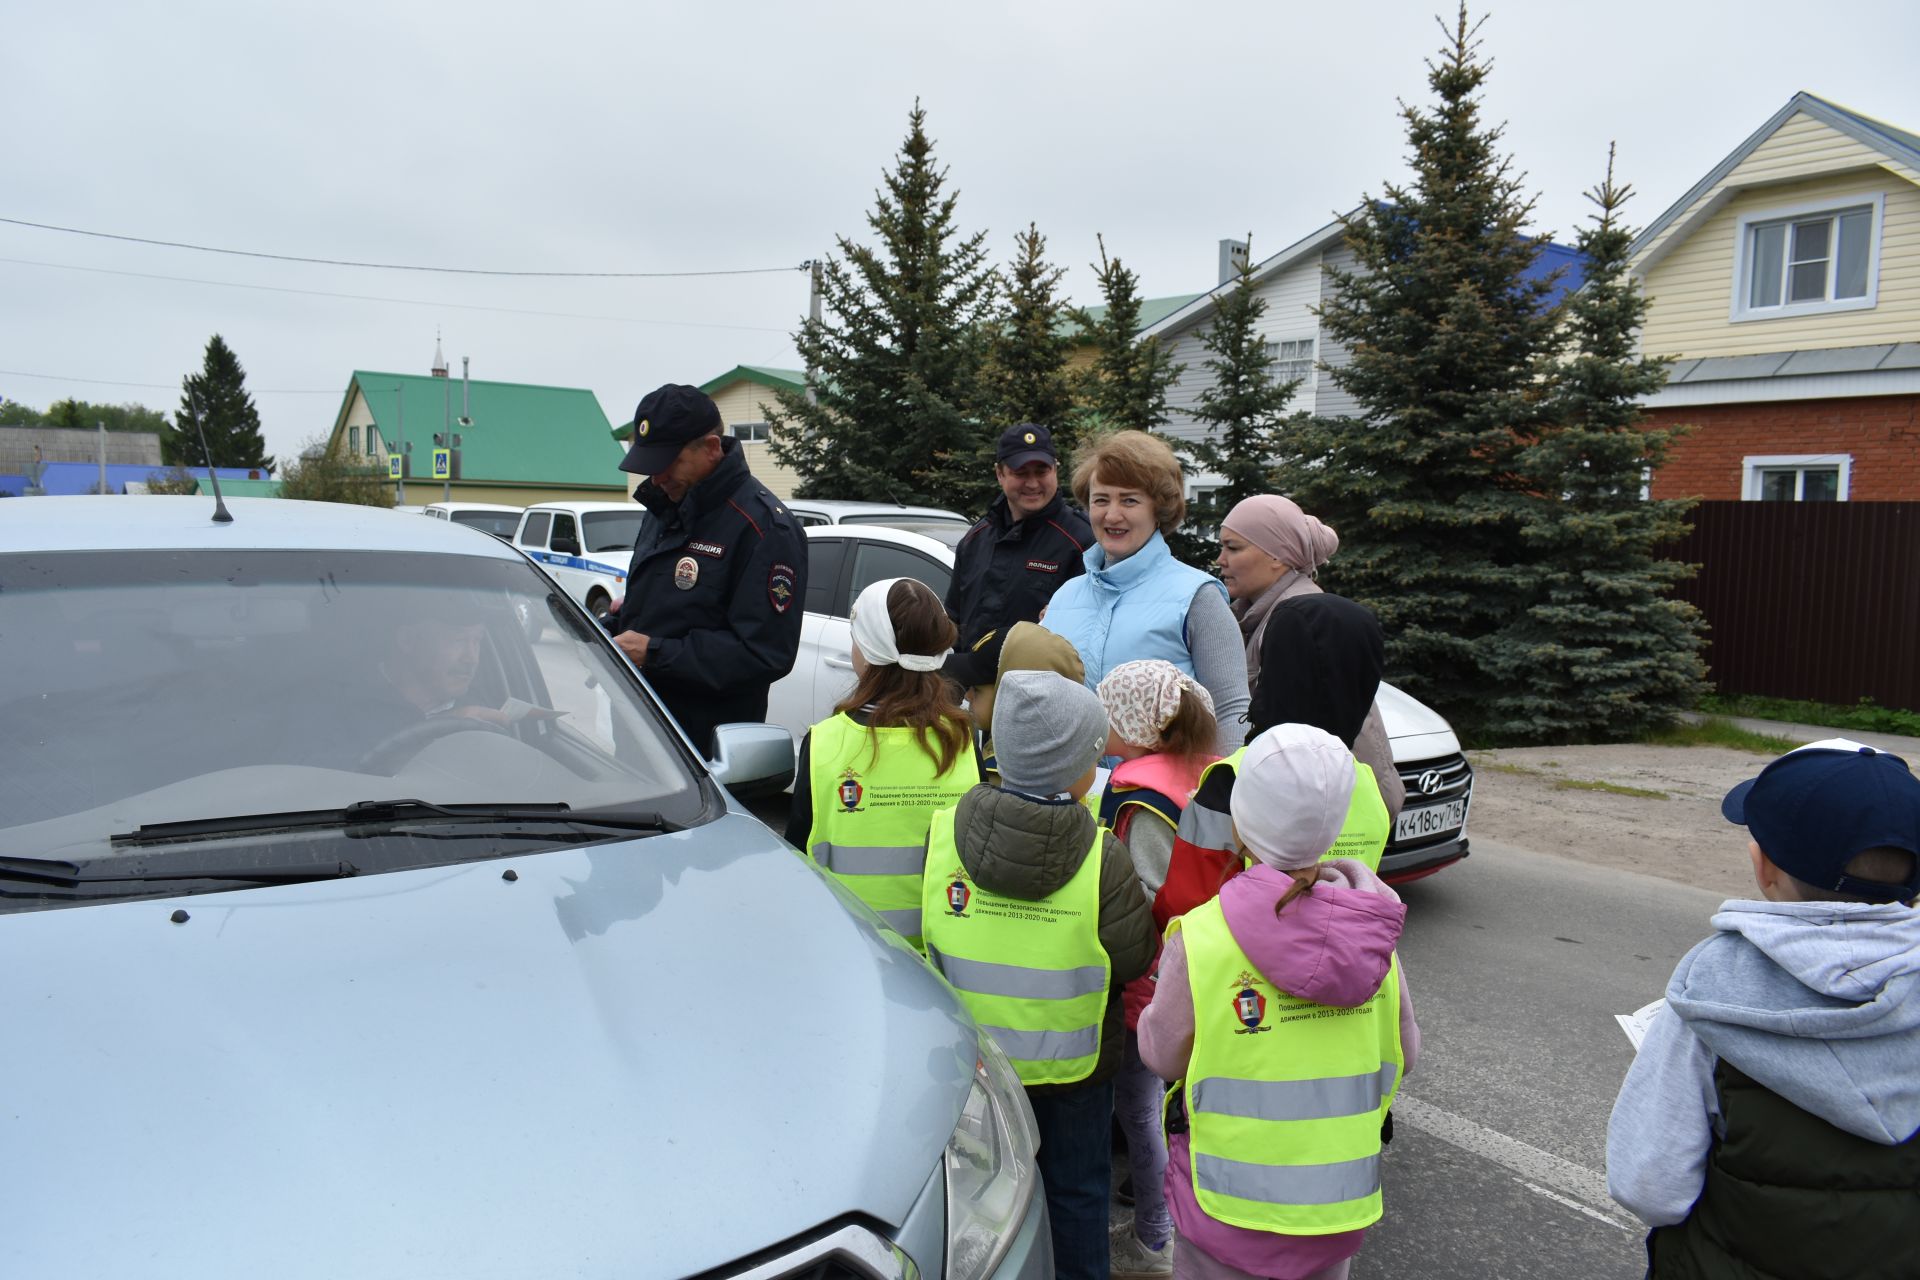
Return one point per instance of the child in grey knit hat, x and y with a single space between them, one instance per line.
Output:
1048 732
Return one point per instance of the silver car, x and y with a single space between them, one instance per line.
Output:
349 932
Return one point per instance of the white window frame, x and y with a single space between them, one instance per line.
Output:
754 431
1313 354
1754 466
1741 313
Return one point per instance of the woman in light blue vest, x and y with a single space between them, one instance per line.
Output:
1135 601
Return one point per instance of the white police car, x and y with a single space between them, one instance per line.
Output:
584 546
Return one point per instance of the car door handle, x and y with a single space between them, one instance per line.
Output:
840 664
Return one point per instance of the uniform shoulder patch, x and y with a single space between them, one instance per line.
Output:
780 587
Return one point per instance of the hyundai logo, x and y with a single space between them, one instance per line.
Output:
1430 782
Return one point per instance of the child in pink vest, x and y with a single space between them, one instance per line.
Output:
1164 734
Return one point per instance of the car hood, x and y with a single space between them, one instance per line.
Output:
1405 716
641 1058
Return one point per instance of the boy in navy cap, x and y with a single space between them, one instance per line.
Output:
1767 1127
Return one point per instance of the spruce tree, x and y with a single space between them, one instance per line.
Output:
1242 407
895 364
1609 652
218 395
1027 377
1449 339
1126 386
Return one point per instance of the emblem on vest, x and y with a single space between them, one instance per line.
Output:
1249 1006
711 550
958 894
1043 566
851 791
686 572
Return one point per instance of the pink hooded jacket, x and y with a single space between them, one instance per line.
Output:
1331 945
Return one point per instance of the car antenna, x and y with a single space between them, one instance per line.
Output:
220 512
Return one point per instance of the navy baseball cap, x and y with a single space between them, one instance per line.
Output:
1025 443
668 417
1814 808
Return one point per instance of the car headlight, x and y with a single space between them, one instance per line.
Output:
991 1175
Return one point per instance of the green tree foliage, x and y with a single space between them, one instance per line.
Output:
1450 341
1609 653
895 364
87 416
174 480
1243 408
218 395
15 414
322 476
1027 378
1126 386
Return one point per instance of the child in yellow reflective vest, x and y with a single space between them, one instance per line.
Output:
1283 1019
896 750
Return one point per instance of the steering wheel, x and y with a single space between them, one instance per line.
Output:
387 755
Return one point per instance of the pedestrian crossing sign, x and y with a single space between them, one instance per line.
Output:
442 464
393 466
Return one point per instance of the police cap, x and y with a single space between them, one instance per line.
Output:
668 418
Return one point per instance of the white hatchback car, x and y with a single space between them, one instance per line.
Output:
1430 833
487 517
584 546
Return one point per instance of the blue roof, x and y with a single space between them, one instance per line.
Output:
1571 264
74 478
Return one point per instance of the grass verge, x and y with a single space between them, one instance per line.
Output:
1716 732
1611 788
1864 714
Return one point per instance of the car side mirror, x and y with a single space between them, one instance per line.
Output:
566 546
752 759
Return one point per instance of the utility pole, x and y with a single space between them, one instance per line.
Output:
446 438
102 427
400 430
813 314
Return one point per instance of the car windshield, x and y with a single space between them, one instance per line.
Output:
612 530
152 687
500 524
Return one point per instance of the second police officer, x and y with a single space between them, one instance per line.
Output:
718 583
1010 563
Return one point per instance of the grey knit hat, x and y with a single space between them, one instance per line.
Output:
1047 731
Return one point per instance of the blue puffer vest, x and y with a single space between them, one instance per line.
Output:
1155 589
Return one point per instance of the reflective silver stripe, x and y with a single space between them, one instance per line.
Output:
1288 1183
871 859
986 979
1045 1046
1206 827
905 922
1294 1099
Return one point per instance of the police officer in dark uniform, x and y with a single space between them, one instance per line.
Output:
1009 564
718 583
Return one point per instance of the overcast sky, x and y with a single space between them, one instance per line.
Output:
717 136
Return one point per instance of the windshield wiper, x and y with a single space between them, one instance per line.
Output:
379 816
60 873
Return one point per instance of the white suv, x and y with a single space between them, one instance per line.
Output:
584 546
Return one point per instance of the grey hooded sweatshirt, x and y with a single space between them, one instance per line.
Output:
1817 1001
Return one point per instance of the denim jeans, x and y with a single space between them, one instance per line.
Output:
1137 1094
1076 1167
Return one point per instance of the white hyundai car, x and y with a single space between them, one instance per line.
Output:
1431 832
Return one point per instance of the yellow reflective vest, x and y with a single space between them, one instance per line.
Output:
1284 1098
1363 836
873 791
1032 973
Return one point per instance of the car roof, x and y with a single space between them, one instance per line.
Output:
580 508
836 509
939 550
154 522
472 506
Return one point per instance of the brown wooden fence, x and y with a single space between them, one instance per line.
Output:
1815 600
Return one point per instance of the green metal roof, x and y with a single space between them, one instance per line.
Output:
780 379
521 433
1152 312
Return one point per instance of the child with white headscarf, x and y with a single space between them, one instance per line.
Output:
1283 995
896 750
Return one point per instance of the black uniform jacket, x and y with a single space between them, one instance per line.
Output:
718 585
1005 571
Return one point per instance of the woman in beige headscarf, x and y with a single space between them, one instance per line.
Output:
1270 550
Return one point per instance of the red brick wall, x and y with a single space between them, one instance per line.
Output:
1881 432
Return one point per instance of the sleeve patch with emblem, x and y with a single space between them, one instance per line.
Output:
780 587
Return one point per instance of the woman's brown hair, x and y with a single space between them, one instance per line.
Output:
1133 460
919 700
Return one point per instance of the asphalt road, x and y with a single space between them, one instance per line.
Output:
1518 961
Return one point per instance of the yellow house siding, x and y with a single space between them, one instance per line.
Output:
1691 289
745 401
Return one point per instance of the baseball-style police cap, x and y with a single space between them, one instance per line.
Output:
668 417
1025 443
1817 806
